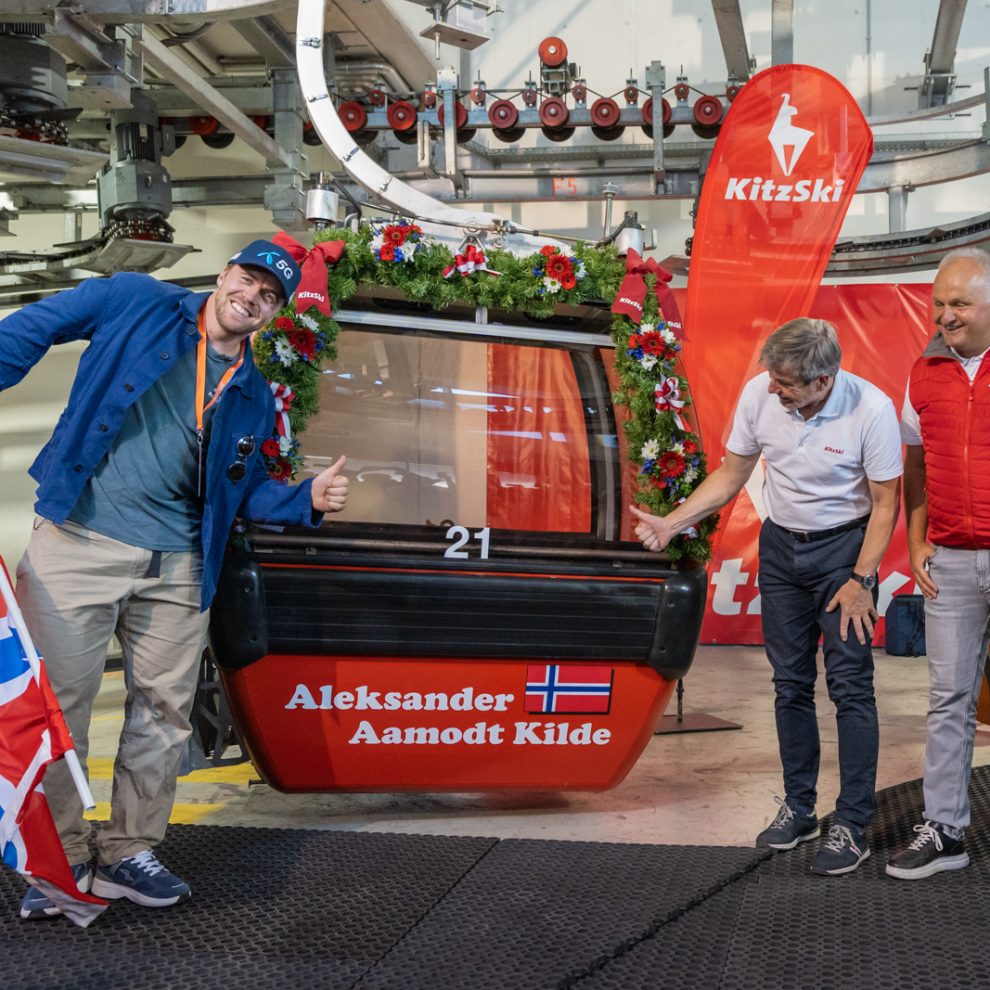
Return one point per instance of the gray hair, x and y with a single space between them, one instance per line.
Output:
805 347
978 255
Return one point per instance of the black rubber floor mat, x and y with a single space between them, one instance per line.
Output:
833 934
271 908
688 953
539 914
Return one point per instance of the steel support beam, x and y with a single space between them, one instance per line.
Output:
211 100
782 32
728 20
940 60
266 37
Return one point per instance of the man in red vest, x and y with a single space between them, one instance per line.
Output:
946 427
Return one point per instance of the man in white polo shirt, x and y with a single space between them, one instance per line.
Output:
833 466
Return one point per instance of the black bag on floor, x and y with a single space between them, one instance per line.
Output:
905 620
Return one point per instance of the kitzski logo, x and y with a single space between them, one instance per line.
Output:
788 142
785 136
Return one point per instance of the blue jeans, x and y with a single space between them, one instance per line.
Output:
956 636
797 581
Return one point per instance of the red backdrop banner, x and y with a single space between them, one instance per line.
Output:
782 174
883 329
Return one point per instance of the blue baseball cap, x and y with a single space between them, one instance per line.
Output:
271 258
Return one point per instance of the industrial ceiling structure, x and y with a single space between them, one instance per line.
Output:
96 95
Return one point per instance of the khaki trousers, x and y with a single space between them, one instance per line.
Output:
76 589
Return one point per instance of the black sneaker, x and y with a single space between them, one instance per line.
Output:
142 879
840 852
932 851
788 829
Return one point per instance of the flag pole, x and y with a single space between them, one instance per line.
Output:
14 615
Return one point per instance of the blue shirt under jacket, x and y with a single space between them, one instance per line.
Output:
138 328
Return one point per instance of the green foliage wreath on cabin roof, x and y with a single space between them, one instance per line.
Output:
661 439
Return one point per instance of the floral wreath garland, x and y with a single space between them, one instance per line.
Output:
394 253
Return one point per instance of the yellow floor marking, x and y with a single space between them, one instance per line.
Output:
182 814
101 768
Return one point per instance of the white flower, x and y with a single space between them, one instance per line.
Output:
646 327
550 285
668 335
285 352
690 474
580 271
284 446
307 321
651 450
648 361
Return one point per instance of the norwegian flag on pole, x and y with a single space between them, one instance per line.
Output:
33 733
568 689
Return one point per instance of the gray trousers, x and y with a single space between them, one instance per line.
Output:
76 589
956 636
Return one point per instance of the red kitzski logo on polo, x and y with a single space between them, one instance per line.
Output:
788 141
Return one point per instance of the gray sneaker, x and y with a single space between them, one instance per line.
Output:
37 906
142 879
932 851
788 829
841 852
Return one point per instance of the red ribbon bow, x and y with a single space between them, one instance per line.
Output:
312 290
667 398
472 260
632 293
283 403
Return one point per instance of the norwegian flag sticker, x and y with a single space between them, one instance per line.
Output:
568 689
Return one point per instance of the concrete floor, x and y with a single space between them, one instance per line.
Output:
703 788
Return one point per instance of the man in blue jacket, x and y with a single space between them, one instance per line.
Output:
155 455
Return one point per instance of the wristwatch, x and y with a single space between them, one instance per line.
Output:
868 581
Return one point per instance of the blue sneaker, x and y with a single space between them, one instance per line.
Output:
37 906
141 879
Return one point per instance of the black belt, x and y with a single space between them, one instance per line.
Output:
822 534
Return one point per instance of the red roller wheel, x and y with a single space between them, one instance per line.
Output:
204 125
427 99
260 120
460 115
401 116
553 113
218 141
478 96
310 135
707 110
605 113
376 97
731 92
632 95
648 112
503 114
681 91
553 52
529 97
508 135
580 92
352 115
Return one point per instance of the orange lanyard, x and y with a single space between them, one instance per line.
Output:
201 389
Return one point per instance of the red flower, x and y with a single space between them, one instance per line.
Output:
281 470
671 464
270 447
634 341
559 267
689 447
394 234
659 483
304 342
652 343
547 251
285 323
387 253
568 281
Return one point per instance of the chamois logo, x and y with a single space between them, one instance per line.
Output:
786 138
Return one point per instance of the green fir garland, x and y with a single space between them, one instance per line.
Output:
292 349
